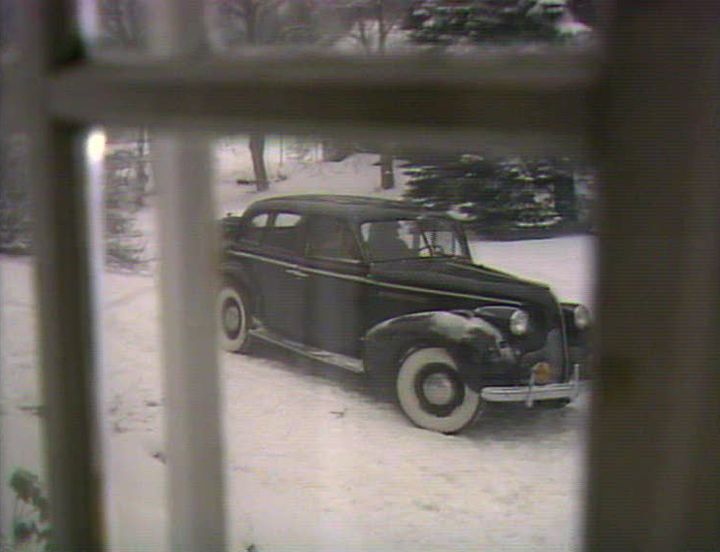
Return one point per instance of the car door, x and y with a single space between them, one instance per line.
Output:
283 286
335 286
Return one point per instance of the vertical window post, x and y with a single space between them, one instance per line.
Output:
64 267
188 268
655 432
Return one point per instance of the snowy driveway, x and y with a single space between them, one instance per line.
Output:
314 461
339 470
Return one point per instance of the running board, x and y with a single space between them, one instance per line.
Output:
334 359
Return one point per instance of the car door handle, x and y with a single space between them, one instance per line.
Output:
296 273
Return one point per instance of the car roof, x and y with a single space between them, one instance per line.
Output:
357 208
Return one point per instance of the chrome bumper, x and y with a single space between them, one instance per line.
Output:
532 392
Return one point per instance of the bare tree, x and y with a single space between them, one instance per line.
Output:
248 22
261 22
142 177
265 22
372 23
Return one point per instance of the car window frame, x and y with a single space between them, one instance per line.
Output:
461 235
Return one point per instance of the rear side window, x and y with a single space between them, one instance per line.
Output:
253 229
287 220
285 233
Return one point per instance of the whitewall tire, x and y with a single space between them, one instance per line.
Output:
432 394
233 318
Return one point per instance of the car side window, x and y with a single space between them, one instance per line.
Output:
254 228
285 233
330 238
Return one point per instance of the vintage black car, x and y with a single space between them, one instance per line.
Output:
389 289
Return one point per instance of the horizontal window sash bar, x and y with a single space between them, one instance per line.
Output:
534 95
550 67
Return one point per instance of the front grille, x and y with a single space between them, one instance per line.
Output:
554 354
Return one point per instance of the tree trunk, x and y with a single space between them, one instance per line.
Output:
382 31
565 198
141 174
257 151
387 173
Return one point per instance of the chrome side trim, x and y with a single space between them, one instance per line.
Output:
295 273
345 362
370 281
262 258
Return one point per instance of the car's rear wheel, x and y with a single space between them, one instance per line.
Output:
432 394
233 317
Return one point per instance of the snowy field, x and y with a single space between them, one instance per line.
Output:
313 461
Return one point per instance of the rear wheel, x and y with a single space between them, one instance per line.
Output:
432 394
233 317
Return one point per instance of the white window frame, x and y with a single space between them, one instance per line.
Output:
648 113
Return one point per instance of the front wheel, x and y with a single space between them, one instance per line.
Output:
233 316
432 394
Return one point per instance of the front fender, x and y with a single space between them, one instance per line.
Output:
472 341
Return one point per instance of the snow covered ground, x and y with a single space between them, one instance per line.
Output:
313 461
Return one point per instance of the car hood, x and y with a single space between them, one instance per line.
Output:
460 277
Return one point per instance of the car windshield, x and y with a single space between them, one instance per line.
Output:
403 239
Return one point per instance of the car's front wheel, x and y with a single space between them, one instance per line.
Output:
432 394
233 316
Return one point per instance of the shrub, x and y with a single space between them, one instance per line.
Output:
31 514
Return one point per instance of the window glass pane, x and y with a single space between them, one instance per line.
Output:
378 27
301 431
22 413
351 27
259 221
130 380
512 478
286 220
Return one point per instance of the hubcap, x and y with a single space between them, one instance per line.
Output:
438 389
232 318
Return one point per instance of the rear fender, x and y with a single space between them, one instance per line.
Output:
239 279
469 339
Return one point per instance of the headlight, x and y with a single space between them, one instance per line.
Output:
581 315
519 322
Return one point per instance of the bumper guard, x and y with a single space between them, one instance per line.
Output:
532 392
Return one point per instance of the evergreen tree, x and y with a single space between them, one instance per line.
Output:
15 221
446 22
502 194
124 244
498 195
